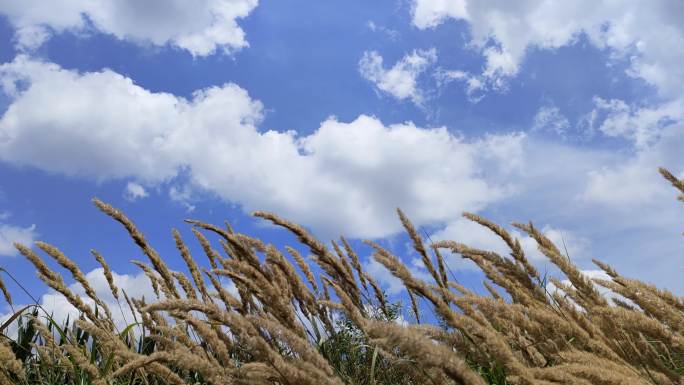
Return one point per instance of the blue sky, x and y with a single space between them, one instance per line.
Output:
334 113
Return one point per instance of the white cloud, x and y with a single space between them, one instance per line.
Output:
314 179
135 191
390 33
201 27
474 85
640 125
549 119
503 32
613 196
430 13
635 180
183 195
10 234
400 81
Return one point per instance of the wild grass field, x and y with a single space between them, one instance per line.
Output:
296 323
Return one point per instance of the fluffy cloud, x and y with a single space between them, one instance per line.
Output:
135 191
634 181
475 85
550 119
642 126
430 13
10 234
616 197
400 81
653 42
346 177
201 27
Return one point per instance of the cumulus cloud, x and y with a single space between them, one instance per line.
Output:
430 13
475 87
346 177
183 195
634 181
400 81
623 186
550 119
637 124
391 34
11 233
135 191
201 27
503 33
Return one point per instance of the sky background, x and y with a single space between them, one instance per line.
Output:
332 114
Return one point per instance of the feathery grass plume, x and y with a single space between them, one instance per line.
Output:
120 352
303 266
677 183
419 247
9 363
140 240
662 295
78 275
500 271
141 361
192 265
492 290
329 263
441 265
244 248
244 329
212 254
154 280
214 339
107 273
37 261
516 250
293 283
55 281
76 356
295 342
519 334
354 261
587 291
379 294
496 345
414 306
228 299
4 290
184 283
269 295
395 337
343 260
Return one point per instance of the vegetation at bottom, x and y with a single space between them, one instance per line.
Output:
289 322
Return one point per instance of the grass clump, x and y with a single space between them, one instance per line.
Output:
294 323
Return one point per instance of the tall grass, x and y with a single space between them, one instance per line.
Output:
292 325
